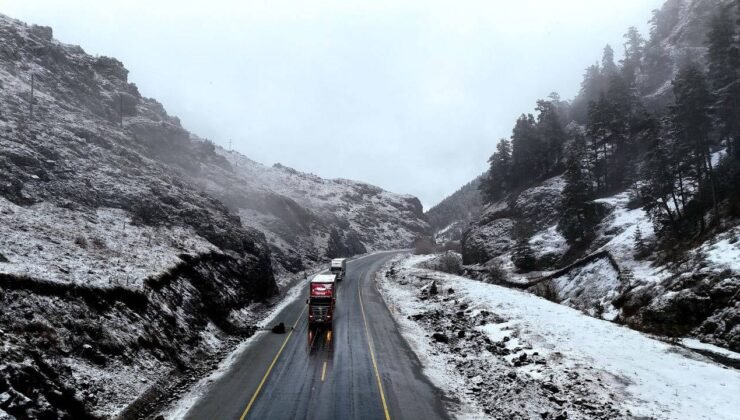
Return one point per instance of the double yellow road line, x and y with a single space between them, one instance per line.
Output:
370 346
269 369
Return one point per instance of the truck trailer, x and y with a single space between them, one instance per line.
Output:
339 267
321 299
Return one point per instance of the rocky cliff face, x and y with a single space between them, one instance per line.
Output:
130 249
680 35
493 234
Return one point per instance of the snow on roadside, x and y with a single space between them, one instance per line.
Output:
650 378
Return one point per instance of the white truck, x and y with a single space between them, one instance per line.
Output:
338 267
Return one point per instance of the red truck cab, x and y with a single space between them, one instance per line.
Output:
321 299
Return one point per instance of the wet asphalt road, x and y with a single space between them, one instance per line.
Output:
329 373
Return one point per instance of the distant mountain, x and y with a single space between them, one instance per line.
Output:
132 250
450 216
307 218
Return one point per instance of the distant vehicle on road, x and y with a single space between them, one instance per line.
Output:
321 299
339 267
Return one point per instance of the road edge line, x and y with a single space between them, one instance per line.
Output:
372 355
269 369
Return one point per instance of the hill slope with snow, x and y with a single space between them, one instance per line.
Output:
133 252
617 267
503 353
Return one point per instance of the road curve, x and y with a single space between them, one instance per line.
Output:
328 374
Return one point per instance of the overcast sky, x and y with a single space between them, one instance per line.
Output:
408 95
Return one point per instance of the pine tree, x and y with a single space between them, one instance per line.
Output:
691 121
553 136
661 173
523 256
498 179
526 146
723 58
592 87
657 65
608 67
634 48
641 249
578 216
626 122
599 131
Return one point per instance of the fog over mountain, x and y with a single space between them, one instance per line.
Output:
350 90
253 246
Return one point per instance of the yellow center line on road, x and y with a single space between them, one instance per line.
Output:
372 357
269 369
323 373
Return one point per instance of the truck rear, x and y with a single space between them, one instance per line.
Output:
322 299
338 267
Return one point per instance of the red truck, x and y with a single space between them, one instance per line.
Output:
321 299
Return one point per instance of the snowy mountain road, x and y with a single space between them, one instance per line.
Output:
360 369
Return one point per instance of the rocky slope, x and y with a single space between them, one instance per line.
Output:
132 251
679 35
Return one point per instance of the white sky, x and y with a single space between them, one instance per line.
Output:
408 95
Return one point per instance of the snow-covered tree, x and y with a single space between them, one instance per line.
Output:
578 215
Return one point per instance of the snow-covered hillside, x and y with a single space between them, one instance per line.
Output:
132 252
505 353
613 265
695 297
307 218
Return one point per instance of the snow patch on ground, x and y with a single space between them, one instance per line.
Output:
548 241
724 251
592 289
619 228
97 248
